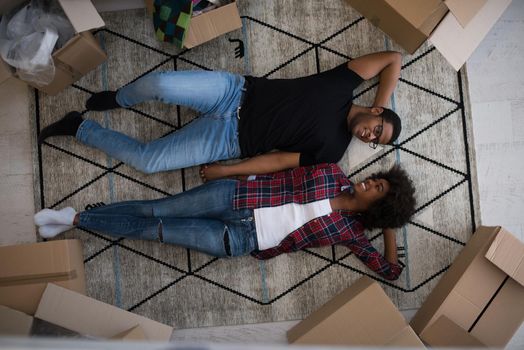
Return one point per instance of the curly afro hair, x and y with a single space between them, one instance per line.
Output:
397 207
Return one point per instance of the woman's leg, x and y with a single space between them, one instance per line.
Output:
210 236
205 91
213 200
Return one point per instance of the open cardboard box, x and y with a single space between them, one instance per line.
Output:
454 27
26 269
362 315
482 293
209 25
94 318
16 323
78 56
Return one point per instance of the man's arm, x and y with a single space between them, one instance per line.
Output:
387 65
262 164
390 245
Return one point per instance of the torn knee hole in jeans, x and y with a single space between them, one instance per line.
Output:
227 247
160 232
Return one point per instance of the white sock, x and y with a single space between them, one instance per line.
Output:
64 216
51 230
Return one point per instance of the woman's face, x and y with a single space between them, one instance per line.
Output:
371 190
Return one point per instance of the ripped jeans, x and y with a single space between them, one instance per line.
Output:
201 219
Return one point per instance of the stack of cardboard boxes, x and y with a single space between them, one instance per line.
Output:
46 280
478 302
454 27
78 56
83 53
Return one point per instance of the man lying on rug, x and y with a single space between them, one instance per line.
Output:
270 215
310 120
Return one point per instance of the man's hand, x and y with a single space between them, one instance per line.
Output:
262 164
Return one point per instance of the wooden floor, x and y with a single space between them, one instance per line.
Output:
496 77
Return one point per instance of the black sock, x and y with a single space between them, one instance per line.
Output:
68 125
102 101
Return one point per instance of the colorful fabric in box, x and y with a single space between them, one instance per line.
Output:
171 19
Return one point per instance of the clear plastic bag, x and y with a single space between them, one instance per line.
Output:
29 36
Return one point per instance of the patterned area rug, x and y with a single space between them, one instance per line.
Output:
278 39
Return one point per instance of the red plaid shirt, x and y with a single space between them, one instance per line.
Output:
304 185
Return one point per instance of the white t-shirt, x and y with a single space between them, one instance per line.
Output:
273 224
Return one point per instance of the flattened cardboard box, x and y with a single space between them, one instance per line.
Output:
209 25
476 294
78 56
26 269
445 333
94 318
134 334
454 27
14 323
361 315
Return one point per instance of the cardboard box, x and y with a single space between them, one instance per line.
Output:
26 269
476 294
78 56
134 334
444 333
14 323
94 318
209 25
454 27
362 315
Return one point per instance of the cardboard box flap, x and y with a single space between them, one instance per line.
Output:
507 253
445 333
440 295
39 261
82 14
464 11
423 15
82 54
328 309
135 333
361 315
91 317
406 338
8 5
457 43
14 322
6 71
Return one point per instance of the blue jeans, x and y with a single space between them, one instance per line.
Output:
211 137
201 219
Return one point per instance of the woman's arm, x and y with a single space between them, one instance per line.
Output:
385 265
390 245
387 65
262 164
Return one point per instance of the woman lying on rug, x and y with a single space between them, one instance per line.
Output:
270 215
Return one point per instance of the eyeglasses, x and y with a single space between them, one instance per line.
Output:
377 131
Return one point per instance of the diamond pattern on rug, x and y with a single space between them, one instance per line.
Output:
190 289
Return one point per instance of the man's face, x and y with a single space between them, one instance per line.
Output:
366 127
371 190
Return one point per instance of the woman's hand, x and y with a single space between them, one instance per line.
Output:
213 171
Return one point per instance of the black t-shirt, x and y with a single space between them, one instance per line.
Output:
306 115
